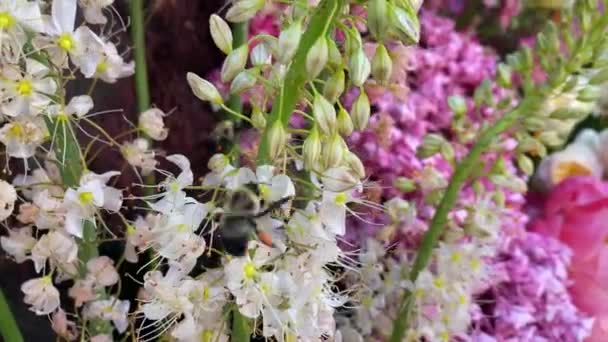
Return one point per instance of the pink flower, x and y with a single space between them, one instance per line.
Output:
576 212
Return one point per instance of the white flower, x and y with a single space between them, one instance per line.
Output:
139 235
111 309
8 196
138 154
19 243
577 159
101 271
22 136
93 10
174 197
26 94
41 295
56 246
82 45
91 195
112 66
167 295
17 17
151 123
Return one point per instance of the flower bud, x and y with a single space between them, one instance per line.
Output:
550 138
243 81
360 111
354 163
525 164
311 150
382 65
533 123
431 144
317 57
333 151
458 105
220 33
289 40
244 10
325 114
334 86
345 123
504 75
359 68
204 89
260 55
217 163
447 151
405 24
258 120
234 63
335 57
404 184
377 12
277 138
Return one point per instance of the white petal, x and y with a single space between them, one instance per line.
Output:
264 173
79 105
94 15
64 15
74 224
112 199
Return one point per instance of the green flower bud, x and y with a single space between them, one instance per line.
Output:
333 151
353 41
447 151
334 86
360 111
382 65
234 63
217 163
260 55
550 138
204 89
258 120
220 33
277 138
243 81
405 24
359 68
244 10
525 164
335 57
345 123
405 185
311 150
431 144
504 75
458 105
377 12
354 163
533 123
289 39
317 56
325 114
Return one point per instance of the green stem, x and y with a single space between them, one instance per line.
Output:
8 326
438 223
240 32
296 77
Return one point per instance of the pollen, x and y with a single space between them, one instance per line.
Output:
340 198
130 229
264 191
206 294
439 283
7 21
249 270
66 42
102 67
569 169
207 336
16 130
47 280
25 87
182 227
86 197
62 117
456 257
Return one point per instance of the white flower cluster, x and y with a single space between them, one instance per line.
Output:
284 282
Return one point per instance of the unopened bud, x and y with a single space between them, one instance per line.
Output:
244 10
258 120
405 24
317 57
333 151
217 163
533 123
220 33
243 81
414 5
504 75
354 163
447 151
234 63
325 114
359 68
260 55
334 86
345 123
335 57
458 105
525 164
311 150
431 144
360 111
405 185
289 39
382 65
277 138
377 13
204 89
550 138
